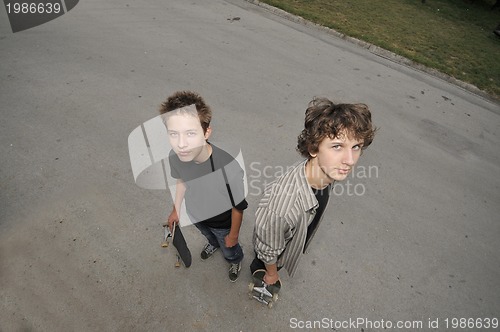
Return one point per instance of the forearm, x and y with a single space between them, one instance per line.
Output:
231 238
271 276
269 237
236 219
271 269
180 190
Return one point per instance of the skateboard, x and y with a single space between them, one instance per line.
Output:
183 254
262 292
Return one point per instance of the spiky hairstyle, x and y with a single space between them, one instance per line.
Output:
186 98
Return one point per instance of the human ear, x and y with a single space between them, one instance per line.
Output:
208 132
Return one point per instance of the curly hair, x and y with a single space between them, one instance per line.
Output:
327 119
186 98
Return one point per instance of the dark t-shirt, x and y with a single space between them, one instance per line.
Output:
322 195
213 187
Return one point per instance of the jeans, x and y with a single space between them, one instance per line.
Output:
215 237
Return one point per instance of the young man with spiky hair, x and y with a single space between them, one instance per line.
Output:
209 180
292 207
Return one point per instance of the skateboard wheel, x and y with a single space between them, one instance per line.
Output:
164 244
275 297
270 304
251 286
177 264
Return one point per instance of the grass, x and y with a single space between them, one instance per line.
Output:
453 36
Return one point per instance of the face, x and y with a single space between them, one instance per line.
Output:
187 138
334 160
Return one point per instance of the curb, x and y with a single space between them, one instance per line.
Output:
378 51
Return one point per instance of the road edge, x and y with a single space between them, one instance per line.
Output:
379 51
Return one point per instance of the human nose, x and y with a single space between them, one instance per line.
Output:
181 141
348 157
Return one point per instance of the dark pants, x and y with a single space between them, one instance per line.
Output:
215 237
257 264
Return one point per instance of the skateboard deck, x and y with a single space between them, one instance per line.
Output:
183 253
262 292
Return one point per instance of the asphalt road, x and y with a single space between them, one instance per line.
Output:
411 238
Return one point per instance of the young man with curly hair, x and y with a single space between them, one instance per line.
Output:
292 207
209 180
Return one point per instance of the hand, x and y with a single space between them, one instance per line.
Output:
230 241
172 218
271 279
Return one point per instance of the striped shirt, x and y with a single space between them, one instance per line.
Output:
282 217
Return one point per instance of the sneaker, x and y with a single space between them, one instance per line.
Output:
234 271
208 251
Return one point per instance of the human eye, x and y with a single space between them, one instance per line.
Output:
357 147
336 146
191 133
173 134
